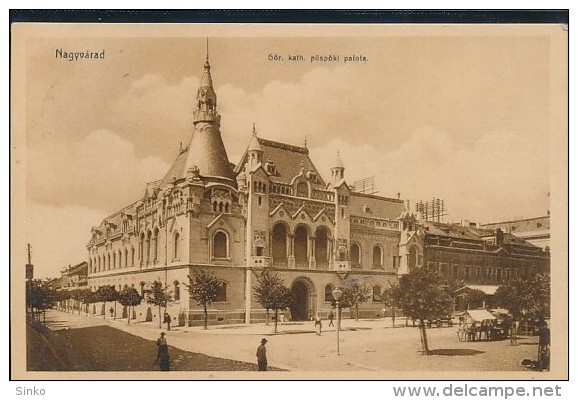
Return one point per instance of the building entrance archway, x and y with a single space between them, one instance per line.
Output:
302 307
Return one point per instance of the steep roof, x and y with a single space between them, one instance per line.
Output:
379 207
288 160
177 169
456 231
208 153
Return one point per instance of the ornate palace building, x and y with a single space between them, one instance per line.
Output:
273 210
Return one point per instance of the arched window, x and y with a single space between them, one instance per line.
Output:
176 291
141 247
132 256
328 293
227 208
120 259
377 294
108 260
302 189
221 207
149 239
126 258
220 245
113 260
99 264
222 292
215 206
156 245
377 256
355 254
176 245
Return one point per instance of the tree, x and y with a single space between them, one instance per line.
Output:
473 298
391 297
354 294
129 297
159 295
106 293
272 294
39 299
526 297
82 296
204 289
424 296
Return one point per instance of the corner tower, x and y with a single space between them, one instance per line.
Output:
206 150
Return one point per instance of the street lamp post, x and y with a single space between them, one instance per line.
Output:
337 293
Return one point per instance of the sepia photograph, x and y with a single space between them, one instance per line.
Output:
289 201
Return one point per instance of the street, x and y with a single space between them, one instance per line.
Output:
366 346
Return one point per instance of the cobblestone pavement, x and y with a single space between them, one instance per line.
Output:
366 346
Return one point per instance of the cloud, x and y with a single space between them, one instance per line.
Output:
155 115
58 235
322 104
495 180
100 171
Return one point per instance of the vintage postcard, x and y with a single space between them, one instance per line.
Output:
296 201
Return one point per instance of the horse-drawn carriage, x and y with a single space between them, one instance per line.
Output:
476 325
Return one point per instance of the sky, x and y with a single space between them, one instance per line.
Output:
464 118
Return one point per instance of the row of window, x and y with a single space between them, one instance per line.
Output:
490 273
176 291
377 256
376 293
381 224
148 251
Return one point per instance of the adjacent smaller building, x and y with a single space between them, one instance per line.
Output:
467 254
533 230
72 277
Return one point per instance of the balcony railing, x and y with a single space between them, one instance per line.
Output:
340 266
261 261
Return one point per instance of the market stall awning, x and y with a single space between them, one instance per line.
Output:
480 315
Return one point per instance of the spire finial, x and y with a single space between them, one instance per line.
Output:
207 49
305 142
254 130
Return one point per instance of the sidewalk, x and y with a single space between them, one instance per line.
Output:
294 342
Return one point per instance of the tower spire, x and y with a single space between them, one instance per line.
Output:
207 59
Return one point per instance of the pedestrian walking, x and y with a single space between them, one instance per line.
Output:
162 353
262 356
331 316
167 320
318 325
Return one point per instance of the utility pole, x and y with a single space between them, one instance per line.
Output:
29 277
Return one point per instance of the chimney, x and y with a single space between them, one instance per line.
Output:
499 237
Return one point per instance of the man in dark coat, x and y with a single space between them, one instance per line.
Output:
167 321
331 316
262 356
